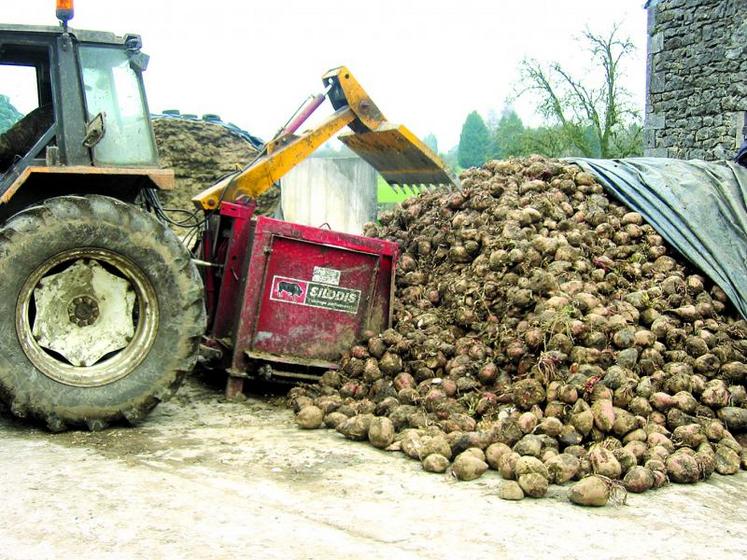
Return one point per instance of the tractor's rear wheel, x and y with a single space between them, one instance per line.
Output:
103 312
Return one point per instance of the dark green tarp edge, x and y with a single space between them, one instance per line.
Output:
699 207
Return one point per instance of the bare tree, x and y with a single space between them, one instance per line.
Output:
597 119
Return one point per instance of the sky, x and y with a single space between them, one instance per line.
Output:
425 63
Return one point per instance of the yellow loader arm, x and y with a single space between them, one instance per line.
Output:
395 152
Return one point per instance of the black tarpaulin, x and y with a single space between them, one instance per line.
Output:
699 207
742 154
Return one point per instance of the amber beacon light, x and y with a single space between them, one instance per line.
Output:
65 11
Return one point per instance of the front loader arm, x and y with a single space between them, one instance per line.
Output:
281 155
397 154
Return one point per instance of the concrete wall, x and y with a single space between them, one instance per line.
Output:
697 78
340 192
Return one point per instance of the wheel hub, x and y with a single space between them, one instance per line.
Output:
83 313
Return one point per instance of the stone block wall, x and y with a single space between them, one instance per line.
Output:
696 94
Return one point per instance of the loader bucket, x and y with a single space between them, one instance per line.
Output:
400 157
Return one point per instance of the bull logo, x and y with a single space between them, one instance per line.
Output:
291 288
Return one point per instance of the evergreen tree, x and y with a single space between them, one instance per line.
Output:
431 141
508 137
9 115
451 158
474 141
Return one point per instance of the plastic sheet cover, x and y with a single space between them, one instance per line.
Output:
699 207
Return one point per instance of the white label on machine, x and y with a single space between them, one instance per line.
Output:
315 294
326 276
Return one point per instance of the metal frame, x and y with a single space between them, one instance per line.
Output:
17 169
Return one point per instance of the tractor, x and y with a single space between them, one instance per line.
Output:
104 309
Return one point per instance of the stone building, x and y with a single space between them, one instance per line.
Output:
696 90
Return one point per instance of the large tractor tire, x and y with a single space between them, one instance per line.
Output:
101 312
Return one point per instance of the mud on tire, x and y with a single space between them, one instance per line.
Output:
168 316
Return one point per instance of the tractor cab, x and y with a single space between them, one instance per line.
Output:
93 83
71 100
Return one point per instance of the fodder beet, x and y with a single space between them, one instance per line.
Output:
537 320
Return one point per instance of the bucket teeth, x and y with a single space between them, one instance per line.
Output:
418 188
399 156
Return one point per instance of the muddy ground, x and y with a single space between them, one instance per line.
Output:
206 478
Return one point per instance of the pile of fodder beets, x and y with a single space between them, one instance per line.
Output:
544 331
201 152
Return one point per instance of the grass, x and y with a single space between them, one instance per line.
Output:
387 195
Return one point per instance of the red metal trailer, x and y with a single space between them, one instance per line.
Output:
285 299
292 298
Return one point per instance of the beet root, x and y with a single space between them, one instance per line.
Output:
310 418
510 490
590 491
533 484
638 479
435 463
468 467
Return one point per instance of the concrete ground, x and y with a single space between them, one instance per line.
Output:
204 478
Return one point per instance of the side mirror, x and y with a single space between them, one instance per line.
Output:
138 60
95 131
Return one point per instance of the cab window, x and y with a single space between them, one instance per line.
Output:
113 88
18 93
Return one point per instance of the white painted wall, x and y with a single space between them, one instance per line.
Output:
340 192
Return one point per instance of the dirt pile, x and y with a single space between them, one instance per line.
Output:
201 152
544 331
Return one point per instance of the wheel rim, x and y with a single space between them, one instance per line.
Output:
87 317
